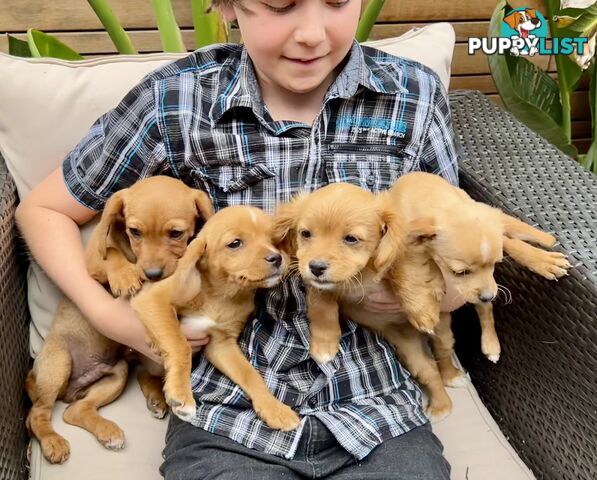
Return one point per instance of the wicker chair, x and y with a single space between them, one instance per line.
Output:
543 392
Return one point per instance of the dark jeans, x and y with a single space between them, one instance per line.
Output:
191 453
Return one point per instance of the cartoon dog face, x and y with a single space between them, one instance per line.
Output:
523 21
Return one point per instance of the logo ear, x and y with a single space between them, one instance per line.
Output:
511 19
392 243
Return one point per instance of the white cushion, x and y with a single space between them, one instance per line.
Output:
473 443
47 106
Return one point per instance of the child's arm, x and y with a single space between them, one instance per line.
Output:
49 220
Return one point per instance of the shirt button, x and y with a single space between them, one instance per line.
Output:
370 180
312 402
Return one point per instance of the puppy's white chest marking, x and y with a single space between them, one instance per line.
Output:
485 247
199 323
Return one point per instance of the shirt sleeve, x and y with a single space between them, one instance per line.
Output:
121 147
440 152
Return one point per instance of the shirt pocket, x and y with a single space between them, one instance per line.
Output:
369 166
237 185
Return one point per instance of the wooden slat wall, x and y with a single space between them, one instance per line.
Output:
74 22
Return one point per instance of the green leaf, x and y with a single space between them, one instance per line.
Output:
18 48
368 19
43 45
169 31
529 93
118 35
209 26
586 22
590 161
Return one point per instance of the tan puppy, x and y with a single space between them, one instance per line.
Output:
79 365
214 286
344 240
460 240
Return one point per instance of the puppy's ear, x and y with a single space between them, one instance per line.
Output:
421 230
187 277
108 234
205 208
393 240
285 220
514 228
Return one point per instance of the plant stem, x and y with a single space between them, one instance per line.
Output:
169 31
368 19
119 37
563 82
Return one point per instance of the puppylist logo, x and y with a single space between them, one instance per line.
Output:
524 32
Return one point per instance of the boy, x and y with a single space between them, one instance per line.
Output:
299 105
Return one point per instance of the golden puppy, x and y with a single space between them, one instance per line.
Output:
344 239
214 286
79 365
460 240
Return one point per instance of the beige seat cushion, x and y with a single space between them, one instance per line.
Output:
473 444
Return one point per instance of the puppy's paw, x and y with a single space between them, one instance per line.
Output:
126 282
490 346
55 448
551 265
438 410
110 435
424 322
452 376
276 415
182 405
323 351
157 406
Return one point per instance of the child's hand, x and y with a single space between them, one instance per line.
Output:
197 338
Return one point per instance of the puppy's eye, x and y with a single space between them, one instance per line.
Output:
135 232
461 273
175 234
235 244
305 234
351 240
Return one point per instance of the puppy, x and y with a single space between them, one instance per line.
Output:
344 239
461 240
139 237
214 286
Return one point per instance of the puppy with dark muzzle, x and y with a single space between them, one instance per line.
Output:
139 237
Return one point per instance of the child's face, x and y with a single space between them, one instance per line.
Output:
296 44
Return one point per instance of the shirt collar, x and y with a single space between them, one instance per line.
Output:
238 86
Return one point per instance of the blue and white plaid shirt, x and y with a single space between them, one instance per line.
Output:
201 119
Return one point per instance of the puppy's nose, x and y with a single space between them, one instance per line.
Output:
317 268
275 259
486 296
154 274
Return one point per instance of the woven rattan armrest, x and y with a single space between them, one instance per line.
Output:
543 391
14 337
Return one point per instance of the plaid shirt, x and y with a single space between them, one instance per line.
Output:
201 119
